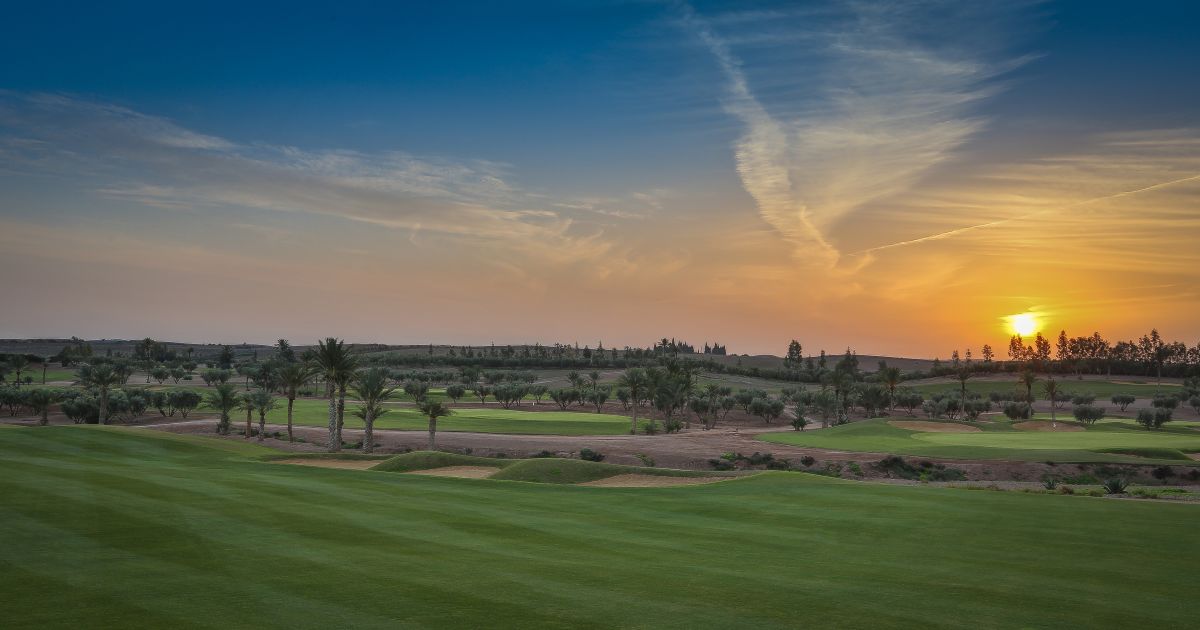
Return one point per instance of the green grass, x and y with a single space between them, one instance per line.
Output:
314 412
1103 390
1112 441
107 527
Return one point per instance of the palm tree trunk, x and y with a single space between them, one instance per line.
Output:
249 421
291 401
432 433
103 406
633 423
334 443
368 433
262 425
341 412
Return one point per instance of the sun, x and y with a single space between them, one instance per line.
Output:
1023 324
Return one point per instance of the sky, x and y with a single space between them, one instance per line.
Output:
898 177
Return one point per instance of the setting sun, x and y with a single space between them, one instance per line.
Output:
1023 324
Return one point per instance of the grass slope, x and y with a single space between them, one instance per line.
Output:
479 420
124 528
1111 441
555 470
424 460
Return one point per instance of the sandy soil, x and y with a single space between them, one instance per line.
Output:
465 472
933 427
1042 425
355 464
634 480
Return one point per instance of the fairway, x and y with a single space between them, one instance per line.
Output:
1101 389
315 412
1000 441
120 527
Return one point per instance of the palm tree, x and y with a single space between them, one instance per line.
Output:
224 399
264 402
292 377
637 382
246 401
371 387
40 400
1051 388
1028 378
434 409
343 383
334 359
102 376
17 363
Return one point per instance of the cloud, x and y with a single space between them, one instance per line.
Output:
888 107
149 160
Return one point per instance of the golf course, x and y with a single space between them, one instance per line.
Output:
124 527
1118 441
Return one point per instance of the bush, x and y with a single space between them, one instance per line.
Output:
649 428
1153 418
1018 410
1088 414
1162 473
1050 483
808 460
1123 400
590 455
720 464
672 425
779 464
542 454
1115 485
1083 399
799 423
647 461
1165 402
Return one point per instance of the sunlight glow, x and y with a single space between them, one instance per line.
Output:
1024 324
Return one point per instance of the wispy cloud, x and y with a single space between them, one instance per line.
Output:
889 107
149 160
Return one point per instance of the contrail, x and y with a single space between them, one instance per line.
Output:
957 231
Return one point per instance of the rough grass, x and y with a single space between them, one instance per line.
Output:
1151 453
1103 442
424 460
129 528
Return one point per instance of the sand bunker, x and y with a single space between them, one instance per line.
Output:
465 472
634 480
933 427
354 464
1042 425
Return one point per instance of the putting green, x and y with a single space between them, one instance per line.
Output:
999 441
122 527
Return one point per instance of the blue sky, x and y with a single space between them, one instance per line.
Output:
681 153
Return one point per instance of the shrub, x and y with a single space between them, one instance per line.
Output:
1162 473
1165 402
800 422
1115 485
590 455
1153 418
672 425
542 454
808 460
646 460
1083 399
720 464
649 428
976 407
1087 414
1050 483
1018 410
779 464
855 468
1123 400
